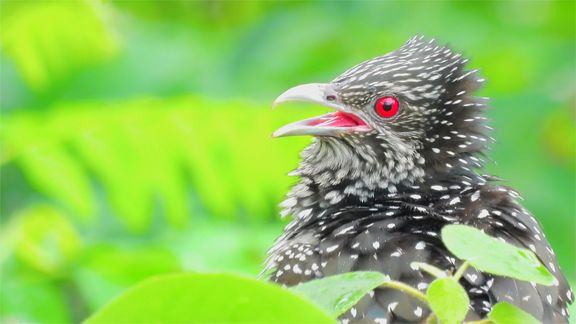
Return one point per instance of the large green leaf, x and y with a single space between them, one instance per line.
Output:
504 313
208 298
494 256
448 300
336 294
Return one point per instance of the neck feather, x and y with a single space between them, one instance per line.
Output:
333 173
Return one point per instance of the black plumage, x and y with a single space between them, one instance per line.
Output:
374 192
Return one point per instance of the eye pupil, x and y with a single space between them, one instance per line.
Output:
387 107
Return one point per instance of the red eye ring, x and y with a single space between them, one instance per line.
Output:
387 107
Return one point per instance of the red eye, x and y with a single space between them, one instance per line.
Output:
387 107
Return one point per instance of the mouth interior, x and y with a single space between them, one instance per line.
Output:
338 119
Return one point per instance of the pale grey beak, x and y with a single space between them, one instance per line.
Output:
320 93
331 124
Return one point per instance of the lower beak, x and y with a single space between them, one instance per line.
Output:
331 124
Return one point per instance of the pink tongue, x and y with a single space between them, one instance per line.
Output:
336 119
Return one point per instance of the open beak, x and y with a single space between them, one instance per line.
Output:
331 124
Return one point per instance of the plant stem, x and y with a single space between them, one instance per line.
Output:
460 272
405 288
77 303
430 269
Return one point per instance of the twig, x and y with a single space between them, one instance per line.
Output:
460 272
405 288
430 269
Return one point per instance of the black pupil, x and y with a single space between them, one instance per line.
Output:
387 106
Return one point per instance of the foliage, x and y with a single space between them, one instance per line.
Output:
140 153
42 237
44 51
448 300
504 313
337 294
168 298
134 136
494 256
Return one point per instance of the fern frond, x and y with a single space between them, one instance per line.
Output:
151 150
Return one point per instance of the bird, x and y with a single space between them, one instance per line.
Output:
401 156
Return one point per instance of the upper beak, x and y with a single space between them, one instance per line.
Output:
331 124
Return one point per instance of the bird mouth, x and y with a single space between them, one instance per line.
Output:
332 124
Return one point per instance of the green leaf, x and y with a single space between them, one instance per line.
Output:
38 37
448 300
203 298
43 239
504 313
494 256
49 168
53 172
336 294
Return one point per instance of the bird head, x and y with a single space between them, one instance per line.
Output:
398 118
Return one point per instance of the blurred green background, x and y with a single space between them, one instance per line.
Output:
136 134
